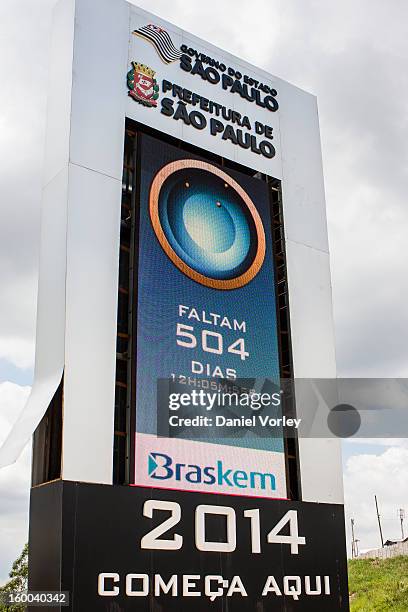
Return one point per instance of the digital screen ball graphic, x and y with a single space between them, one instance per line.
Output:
206 227
207 224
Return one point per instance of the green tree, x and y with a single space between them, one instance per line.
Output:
17 583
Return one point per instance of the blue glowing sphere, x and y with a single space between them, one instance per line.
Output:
207 223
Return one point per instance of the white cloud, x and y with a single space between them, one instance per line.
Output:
23 50
14 482
398 442
18 351
12 400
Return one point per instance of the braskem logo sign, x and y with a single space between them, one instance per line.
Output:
162 467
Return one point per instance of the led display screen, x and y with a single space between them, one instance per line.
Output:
206 327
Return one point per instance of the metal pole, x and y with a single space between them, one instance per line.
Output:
353 550
379 522
402 516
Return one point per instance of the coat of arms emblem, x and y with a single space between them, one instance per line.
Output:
142 84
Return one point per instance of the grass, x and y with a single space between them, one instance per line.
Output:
378 585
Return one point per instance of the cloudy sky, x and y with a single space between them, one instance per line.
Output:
353 56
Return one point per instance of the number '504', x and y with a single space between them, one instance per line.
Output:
211 342
153 539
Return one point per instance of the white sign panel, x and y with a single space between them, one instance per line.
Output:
191 90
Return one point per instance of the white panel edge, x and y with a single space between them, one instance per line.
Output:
58 125
50 336
91 301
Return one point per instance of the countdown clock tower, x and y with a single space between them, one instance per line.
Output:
184 262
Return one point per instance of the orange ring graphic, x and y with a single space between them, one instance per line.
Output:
232 283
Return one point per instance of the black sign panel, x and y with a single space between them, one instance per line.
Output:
131 548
